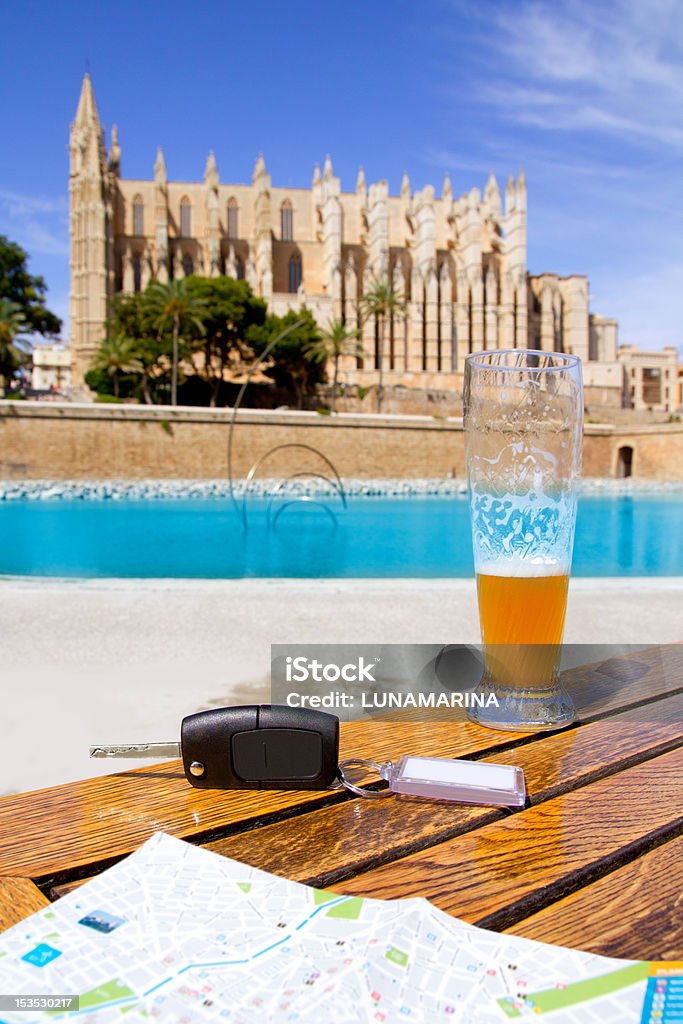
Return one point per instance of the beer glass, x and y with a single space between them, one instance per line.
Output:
523 417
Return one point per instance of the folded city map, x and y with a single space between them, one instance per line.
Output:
177 933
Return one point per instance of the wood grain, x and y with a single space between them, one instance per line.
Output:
19 897
326 845
78 827
80 824
514 867
634 912
637 677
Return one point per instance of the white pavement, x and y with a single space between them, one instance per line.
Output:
101 661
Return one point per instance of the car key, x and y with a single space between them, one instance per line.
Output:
254 746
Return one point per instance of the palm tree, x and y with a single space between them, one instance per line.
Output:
337 341
117 355
382 302
173 303
13 323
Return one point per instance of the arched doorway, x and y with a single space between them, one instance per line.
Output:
625 461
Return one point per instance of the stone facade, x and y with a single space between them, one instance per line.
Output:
650 379
68 441
459 262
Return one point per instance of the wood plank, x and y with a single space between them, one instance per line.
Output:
330 844
514 867
634 912
640 676
19 897
83 825
86 823
327 845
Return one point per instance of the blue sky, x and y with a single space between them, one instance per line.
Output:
586 96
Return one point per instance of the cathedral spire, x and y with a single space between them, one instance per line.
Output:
259 168
160 176
361 185
510 199
521 189
492 196
447 190
327 169
405 186
86 140
86 112
211 171
316 174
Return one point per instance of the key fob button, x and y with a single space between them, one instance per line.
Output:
277 755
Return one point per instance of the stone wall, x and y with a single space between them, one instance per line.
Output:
80 442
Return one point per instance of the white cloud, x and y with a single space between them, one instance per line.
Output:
614 67
38 223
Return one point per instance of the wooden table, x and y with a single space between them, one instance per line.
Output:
594 860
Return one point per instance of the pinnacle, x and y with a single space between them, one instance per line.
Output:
86 112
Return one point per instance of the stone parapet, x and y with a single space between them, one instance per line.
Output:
69 441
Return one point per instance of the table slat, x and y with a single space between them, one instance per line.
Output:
635 912
514 867
19 898
335 842
80 824
83 825
326 845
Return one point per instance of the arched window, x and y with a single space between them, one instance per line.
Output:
239 268
185 218
625 461
294 273
137 274
138 216
188 266
287 223
233 218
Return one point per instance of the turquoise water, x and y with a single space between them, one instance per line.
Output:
374 537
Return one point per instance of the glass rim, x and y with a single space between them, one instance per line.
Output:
483 361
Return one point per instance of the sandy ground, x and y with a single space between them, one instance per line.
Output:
110 660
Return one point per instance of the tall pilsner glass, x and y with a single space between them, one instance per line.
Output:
523 432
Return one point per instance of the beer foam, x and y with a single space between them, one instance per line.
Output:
527 568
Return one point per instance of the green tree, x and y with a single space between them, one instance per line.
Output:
293 366
336 341
130 317
174 305
382 303
13 354
117 356
24 289
231 310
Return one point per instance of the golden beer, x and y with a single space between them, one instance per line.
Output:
522 621
522 609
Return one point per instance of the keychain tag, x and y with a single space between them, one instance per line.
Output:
436 778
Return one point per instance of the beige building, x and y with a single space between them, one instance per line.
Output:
650 379
51 368
459 262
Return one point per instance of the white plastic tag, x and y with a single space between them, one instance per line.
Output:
472 782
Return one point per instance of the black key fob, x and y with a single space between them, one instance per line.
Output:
260 746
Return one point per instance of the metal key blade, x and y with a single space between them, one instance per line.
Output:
152 751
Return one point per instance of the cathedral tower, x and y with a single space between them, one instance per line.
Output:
91 242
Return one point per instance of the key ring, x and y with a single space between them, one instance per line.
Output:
359 762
